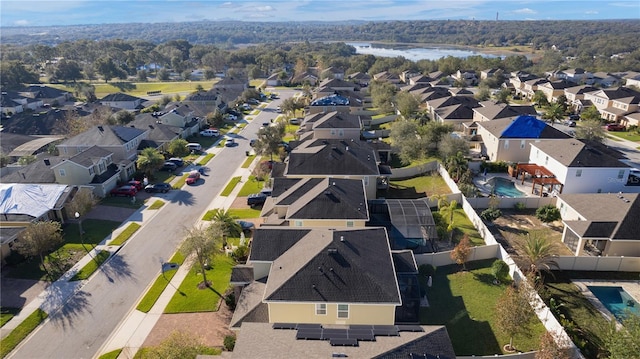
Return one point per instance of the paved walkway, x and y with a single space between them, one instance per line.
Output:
135 328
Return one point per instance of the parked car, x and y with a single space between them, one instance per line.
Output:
194 147
230 142
252 142
193 177
168 166
129 191
136 184
158 187
278 109
574 117
211 132
570 123
231 117
177 160
294 121
256 199
614 127
253 101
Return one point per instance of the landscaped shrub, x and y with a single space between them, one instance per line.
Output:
548 213
230 301
490 214
229 342
500 270
520 206
494 167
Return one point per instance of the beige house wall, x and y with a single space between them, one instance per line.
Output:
73 174
324 223
336 133
373 314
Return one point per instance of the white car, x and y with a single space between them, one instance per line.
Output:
210 133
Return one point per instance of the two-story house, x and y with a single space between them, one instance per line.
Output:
489 111
182 116
123 101
93 167
530 87
603 101
467 77
332 125
554 89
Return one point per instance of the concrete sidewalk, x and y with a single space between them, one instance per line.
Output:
133 330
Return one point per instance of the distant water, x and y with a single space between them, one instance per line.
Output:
414 53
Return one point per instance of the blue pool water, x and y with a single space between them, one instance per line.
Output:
616 300
504 187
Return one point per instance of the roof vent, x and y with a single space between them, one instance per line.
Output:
101 128
47 162
341 238
330 251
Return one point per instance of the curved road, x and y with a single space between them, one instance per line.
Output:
86 321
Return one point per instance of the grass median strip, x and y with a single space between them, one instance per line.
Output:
111 355
248 161
206 159
92 266
154 292
180 182
157 204
8 343
230 186
125 235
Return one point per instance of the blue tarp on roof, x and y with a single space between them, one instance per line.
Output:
333 100
524 127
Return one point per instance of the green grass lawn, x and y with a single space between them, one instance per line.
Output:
462 226
627 135
125 235
151 297
251 186
206 159
141 88
418 187
464 303
111 355
157 204
92 266
190 299
244 213
8 343
73 248
230 186
248 161
6 314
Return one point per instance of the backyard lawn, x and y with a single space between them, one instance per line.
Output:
465 303
418 187
190 298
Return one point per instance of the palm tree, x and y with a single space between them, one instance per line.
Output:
202 243
149 160
227 224
448 211
554 113
539 252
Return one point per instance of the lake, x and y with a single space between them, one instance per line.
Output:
414 53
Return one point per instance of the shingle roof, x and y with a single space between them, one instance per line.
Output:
346 266
104 136
250 307
336 119
576 153
495 111
613 217
332 158
119 97
35 172
404 261
90 156
263 248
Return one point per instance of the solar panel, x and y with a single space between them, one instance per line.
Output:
361 334
388 332
360 326
309 334
344 342
284 326
409 328
308 326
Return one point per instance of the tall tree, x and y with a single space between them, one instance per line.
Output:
37 239
202 243
554 112
514 313
270 139
227 223
590 130
15 74
407 141
460 253
538 252
382 94
407 104
178 147
447 212
68 70
540 99
624 342
106 67
149 160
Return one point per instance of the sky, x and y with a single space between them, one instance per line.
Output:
82 12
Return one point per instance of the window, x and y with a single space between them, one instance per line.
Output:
62 172
343 311
349 223
621 174
506 144
321 309
522 144
297 223
578 173
91 172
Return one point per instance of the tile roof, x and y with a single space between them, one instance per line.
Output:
351 265
576 153
613 217
332 158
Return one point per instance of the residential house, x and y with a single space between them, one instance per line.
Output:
181 115
489 111
338 158
123 101
206 101
22 204
458 91
335 103
415 87
316 202
93 167
489 73
48 95
609 228
332 73
632 81
331 85
431 93
13 102
305 78
122 141
632 119
453 110
361 79
159 135
17 145
510 139
38 171
273 79
467 77
554 89
576 75
576 93
419 79
518 79
583 166
386 76
229 89
606 79
332 125
615 102
530 87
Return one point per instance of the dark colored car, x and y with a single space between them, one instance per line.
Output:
615 127
574 117
252 142
129 191
169 166
158 187
256 199
177 160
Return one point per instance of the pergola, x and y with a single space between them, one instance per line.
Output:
539 176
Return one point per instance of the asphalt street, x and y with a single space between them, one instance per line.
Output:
88 318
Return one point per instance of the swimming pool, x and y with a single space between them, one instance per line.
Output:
616 300
504 187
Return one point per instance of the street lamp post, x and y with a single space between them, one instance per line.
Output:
77 215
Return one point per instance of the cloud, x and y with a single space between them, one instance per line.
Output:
525 10
21 23
227 4
591 12
265 8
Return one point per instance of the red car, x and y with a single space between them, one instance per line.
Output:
136 184
129 191
193 177
615 127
